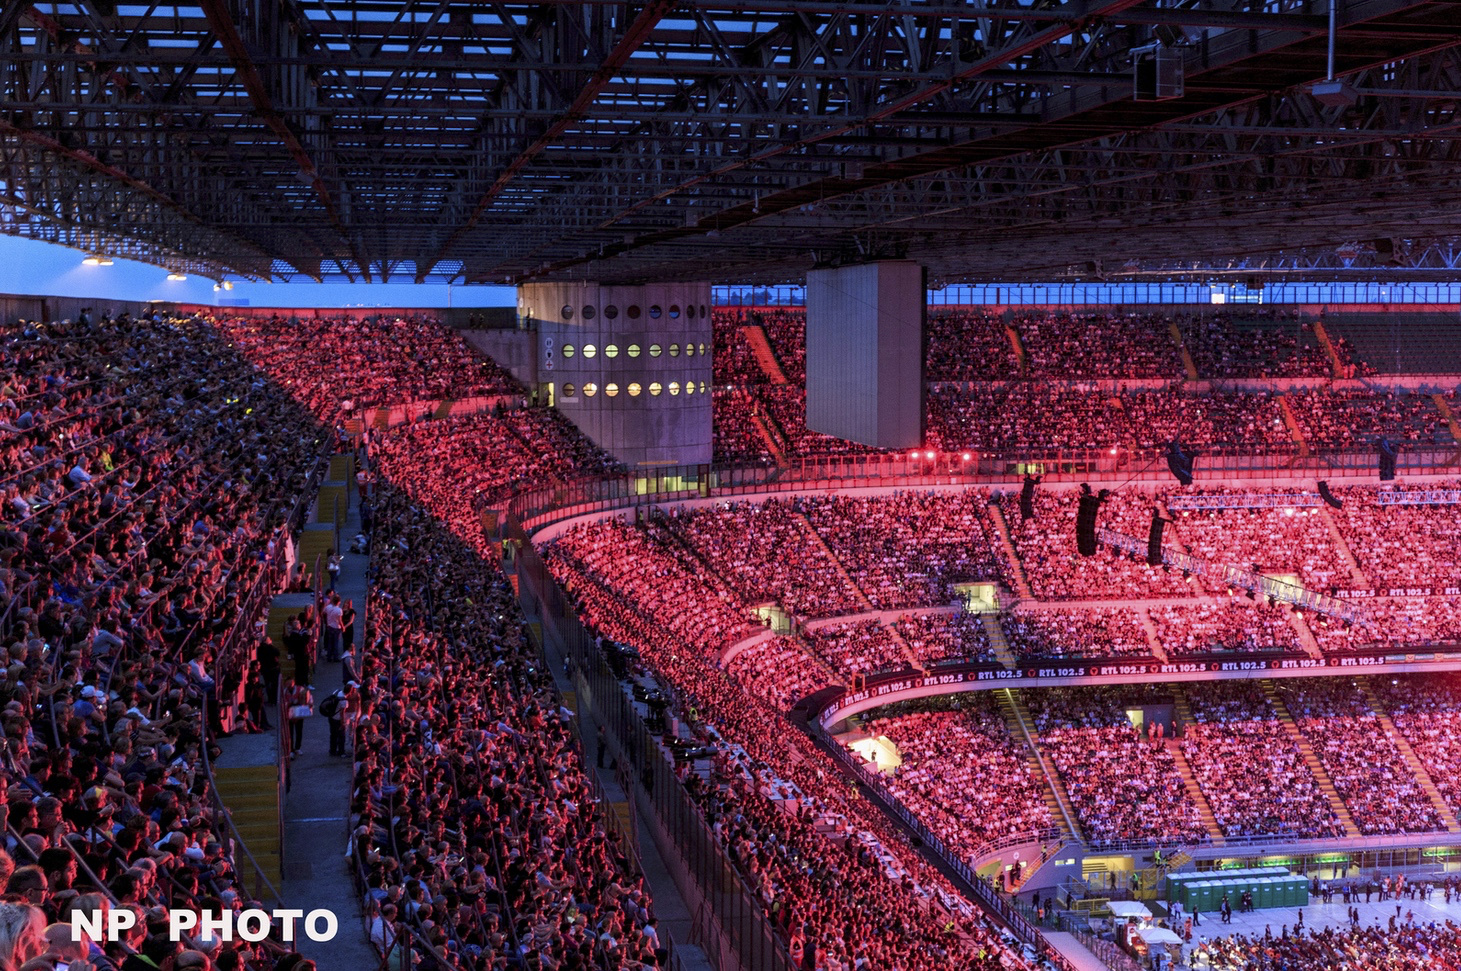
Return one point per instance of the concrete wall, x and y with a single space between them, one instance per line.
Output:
865 353
630 366
13 308
515 350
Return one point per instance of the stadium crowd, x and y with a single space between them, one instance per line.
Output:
859 647
1033 417
478 460
1099 632
1360 756
335 365
477 834
1205 628
961 773
1249 767
150 489
1123 786
766 551
1426 710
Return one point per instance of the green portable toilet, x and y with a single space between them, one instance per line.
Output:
1220 889
1263 898
1301 892
1176 890
1199 895
1250 885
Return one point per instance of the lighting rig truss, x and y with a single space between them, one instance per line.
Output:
1266 586
1424 497
1303 500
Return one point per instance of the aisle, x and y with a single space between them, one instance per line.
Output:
316 810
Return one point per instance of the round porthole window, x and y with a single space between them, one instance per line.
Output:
633 311
674 387
702 348
654 350
633 350
690 311
703 312
702 387
611 311
654 312
674 311
655 388
634 389
588 312
674 350
569 390
611 389
689 387
611 350
567 312
689 350
568 350
590 389
589 350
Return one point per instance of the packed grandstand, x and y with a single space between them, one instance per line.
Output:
155 469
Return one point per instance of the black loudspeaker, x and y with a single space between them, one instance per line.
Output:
1085 521
1027 497
1179 461
1330 497
1154 540
1388 451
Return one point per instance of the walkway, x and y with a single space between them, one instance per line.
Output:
1074 951
670 908
316 810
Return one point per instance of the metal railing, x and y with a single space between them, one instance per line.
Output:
748 932
556 502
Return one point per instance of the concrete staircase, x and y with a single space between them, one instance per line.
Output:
1018 346
1305 635
1417 768
816 538
1444 407
1292 423
1316 768
1188 364
906 648
1355 573
1002 650
1194 791
1148 625
755 336
247 778
1182 709
1022 582
763 428
1021 729
1322 336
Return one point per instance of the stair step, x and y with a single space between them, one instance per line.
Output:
1355 573
1001 528
817 538
995 633
1417 768
1316 767
1022 729
764 353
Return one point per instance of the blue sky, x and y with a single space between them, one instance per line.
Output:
32 268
